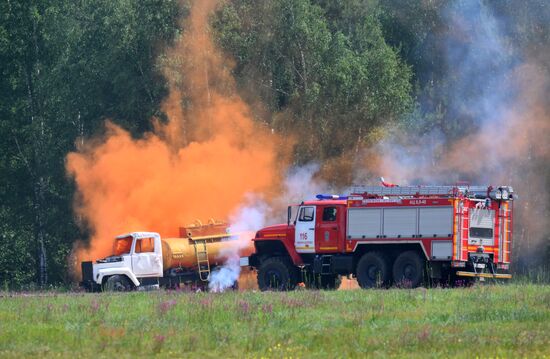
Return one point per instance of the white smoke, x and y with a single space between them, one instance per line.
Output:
226 276
246 220
301 184
256 213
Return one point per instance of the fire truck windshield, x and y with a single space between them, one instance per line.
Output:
123 246
292 214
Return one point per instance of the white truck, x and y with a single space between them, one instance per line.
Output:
142 260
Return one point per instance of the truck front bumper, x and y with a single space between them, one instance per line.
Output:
484 275
88 282
244 261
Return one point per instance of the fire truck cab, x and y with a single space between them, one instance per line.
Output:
387 236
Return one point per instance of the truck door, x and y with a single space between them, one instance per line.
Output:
147 257
304 241
326 230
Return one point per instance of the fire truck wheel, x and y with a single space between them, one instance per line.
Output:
408 270
373 271
277 274
117 283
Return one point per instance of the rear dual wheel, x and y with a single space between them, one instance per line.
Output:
408 270
373 270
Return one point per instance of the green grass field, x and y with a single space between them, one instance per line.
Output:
484 321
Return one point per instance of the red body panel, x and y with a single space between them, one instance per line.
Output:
398 202
328 235
284 234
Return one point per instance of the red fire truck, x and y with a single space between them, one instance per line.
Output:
389 235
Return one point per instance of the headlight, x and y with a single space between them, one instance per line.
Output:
498 194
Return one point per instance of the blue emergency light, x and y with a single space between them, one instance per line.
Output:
330 196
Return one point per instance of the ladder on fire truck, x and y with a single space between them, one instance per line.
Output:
505 216
203 264
508 232
326 265
429 191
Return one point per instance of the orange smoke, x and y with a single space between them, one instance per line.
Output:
198 165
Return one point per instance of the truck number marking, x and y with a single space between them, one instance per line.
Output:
303 236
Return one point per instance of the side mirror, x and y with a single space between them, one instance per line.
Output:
289 214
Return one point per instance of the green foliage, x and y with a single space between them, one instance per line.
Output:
65 67
503 321
323 72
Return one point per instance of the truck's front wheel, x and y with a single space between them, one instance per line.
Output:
117 283
373 271
277 274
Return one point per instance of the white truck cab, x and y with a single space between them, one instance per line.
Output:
136 261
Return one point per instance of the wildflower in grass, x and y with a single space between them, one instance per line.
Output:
424 335
292 302
158 342
244 307
164 307
404 283
94 306
206 303
267 308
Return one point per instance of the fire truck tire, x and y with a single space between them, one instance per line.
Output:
278 274
373 271
408 270
117 283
